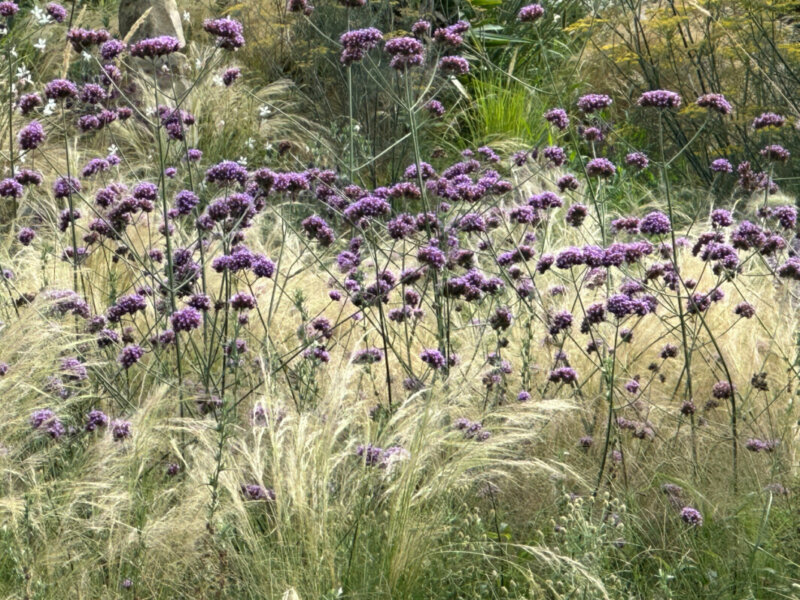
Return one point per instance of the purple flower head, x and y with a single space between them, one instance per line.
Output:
257 493
637 160
786 215
200 302
721 218
715 102
40 416
745 310
26 235
433 358
28 177
432 256
567 182
455 65
555 155
576 214
790 269
185 201
530 13
11 188
435 108
593 102
405 52
620 305
367 356
421 28
227 172
45 420
242 301
451 35
130 355
95 419
112 49
28 102
229 32
721 165
65 187
768 119
655 223
262 266
73 369
8 9
120 430
56 12
230 76
600 167
775 153
316 228
126 305
568 258
691 516
186 319
59 89
501 319
660 99
559 322
95 166
83 39
565 375
722 390
557 117
426 171
31 136
357 43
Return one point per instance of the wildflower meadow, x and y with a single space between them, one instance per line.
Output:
368 299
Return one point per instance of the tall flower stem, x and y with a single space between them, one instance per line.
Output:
441 332
684 337
70 205
167 235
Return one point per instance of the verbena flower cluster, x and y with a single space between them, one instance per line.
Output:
472 250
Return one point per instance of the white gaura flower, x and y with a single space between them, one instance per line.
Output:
242 160
23 74
186 16
49 108
250 143
41 44
42 18
86 56
112 149
264 111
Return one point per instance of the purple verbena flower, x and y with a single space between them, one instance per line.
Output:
31 136
530 13
593 102
715 102
660 99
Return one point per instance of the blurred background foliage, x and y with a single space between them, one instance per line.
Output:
747 50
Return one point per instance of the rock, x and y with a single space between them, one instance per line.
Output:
163 19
